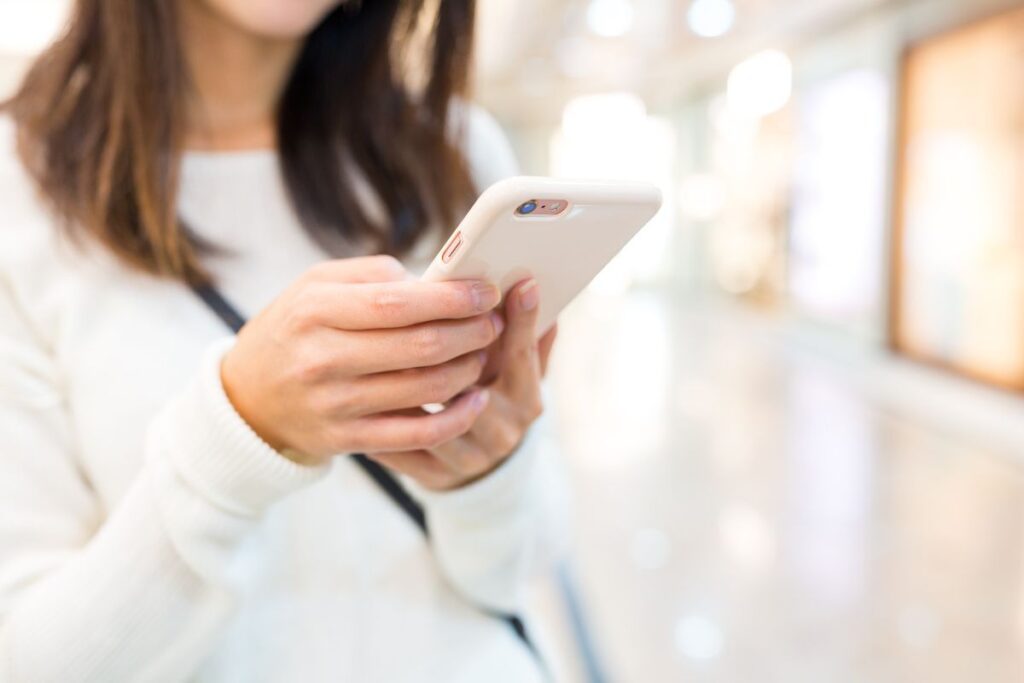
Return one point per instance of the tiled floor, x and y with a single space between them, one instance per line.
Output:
748 510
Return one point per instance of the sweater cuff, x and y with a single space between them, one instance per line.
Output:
217 452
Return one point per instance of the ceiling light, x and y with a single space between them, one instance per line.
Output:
610 18
699 638
762 84
711 18
702 197
590 117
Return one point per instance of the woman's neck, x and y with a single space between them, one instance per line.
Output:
236 80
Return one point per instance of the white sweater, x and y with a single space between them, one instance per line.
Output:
147 534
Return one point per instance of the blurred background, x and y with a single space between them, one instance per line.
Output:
810 469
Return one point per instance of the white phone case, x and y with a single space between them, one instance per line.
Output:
562 252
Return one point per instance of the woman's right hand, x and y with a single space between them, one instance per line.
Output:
325 368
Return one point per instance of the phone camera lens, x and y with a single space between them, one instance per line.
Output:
528 208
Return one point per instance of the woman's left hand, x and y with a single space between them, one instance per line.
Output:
514 403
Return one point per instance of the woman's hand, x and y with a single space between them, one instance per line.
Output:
327 366
513 404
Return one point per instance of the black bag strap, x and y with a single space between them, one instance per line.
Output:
380 476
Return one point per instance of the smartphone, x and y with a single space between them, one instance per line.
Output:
560 232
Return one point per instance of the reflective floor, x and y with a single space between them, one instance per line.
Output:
746 509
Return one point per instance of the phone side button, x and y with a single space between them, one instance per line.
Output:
453 246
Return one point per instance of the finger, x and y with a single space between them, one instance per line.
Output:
544 346
391 433
520 363
361 269
493 367
497 430
465 456
389 391
421 346
422 466
388 305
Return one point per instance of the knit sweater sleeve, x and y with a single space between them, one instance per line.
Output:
489 537
139 592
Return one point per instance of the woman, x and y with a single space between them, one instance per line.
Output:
171 503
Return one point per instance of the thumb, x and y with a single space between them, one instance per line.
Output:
521 308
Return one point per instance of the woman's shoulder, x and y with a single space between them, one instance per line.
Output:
485 144
11 169
18 195
28 228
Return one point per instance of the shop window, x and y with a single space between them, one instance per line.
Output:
958 276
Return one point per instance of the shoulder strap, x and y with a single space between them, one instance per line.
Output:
394 490
380 476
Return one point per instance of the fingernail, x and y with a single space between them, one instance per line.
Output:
529 297
479 399
485 296
499 324
482 357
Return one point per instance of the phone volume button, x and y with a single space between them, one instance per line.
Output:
453 246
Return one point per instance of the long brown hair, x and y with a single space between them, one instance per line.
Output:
100 126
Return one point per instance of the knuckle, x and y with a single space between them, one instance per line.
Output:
313 366
534 407
341 439
487 329
388 303
478 332
524 354
432 434
441 385
295 320
436 479
320 402
469 462
507 439
456 298
475 369
479 461
339 401
302 312
428 343
463 424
